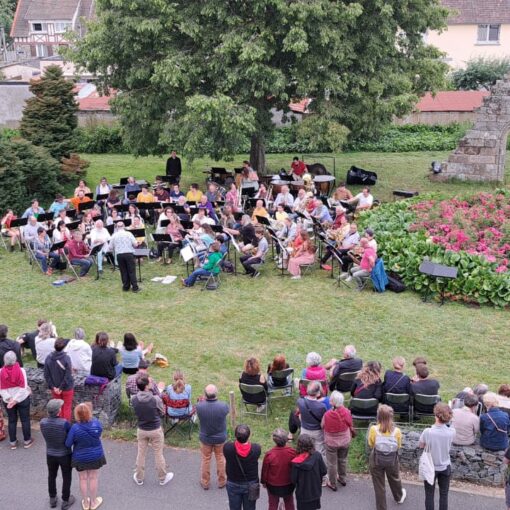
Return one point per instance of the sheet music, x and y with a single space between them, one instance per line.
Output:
187 253
234 243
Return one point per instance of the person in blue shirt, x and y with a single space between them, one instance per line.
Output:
494 425
58 205
132 352
33 210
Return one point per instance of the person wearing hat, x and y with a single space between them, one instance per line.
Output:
54 430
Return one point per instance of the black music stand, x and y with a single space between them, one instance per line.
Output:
71 213
283 251
440 273
93 253
73 225
162 238
263 220
233 242
84 206
19 222
103 196
57 246
45 217
139 254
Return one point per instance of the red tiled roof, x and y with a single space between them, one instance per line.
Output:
452 101
475 12
301 106
94 101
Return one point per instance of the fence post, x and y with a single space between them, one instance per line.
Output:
232 402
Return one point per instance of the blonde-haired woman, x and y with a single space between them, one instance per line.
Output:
179 393
385 440
88 454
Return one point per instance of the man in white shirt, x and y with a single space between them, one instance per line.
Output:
363 200
99 235
79 351
284 198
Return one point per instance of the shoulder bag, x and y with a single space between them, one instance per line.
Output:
253 487
426 469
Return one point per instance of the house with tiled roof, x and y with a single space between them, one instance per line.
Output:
476 28
40 26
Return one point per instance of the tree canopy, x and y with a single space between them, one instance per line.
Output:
480 73
198 75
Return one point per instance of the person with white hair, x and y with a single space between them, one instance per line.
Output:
123 244
314 371
494 425
311 411
338 432
79 351
15 393
348 364
99 235
45 342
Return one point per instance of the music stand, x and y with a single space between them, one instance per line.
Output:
283 250
20 222
263 220
71 213
139 254
138 232
188 253
438 272
103 196
110 228
73 225
218 229
237 249
57 246
86 205
89 195
93 253
45 217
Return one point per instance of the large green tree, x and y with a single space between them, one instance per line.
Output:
7 8
200 74
49 117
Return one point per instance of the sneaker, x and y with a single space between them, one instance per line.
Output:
326 267
13 445
168 477
28 444
97 504
325 481
53 502
138 482
298 277
67 504
403 498
344 276
256 275
138 289
347 279
261 408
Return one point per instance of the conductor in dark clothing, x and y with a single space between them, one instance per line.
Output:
123 244
174 168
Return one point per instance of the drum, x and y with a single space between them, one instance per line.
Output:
277 186
295 186
324 184
266 179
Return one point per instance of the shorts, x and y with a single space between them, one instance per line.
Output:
88 466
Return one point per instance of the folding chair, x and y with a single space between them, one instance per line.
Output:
305 382
213 280
274 390
69 265
32 259
181 424
364 409
2 238
397 401
347 377
308 267
254 389
424 400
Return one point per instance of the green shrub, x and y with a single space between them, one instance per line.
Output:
101 139
8 133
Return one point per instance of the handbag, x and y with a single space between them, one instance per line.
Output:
253 487
426 469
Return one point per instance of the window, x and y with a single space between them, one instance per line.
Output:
488 34
40 27
41 50
62 26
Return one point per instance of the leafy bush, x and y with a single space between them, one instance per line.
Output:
481 73
404 250
8 133
101 139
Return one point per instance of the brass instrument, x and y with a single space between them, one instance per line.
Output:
309 184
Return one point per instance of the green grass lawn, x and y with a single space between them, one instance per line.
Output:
209 334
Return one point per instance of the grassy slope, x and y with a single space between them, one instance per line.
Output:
208 335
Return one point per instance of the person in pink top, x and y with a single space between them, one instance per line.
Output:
361 272
314 371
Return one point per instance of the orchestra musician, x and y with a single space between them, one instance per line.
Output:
114 217
34 210
213 193
202 218
248 260
112 201
303 254
232 198
137 224
99 235
194 194
78 252
41 246
259 210
82 186
173 230
176 193
210 266
61 233
297 168
204 203
284 197
174 167
246 232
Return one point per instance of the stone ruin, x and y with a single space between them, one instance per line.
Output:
480 155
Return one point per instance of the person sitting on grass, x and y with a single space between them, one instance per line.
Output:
179 394
132 352
211 266
252 375
79 351
104 358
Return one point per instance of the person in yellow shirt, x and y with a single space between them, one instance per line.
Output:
194 194
145 196
259 210
385 440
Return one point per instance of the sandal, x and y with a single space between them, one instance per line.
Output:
85 504
99 502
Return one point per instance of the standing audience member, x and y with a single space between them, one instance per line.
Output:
58 374
494 425
15 394
338 433
79 351
44 342
7 345
88 455
466 422
308 470
149 410
385 440
276 469
54 429
439 439
212 414
311 411
104 358
507 482
242 465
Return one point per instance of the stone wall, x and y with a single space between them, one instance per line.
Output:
106 405
469 463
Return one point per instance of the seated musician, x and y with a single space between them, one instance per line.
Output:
249 177
201 216
263 193
210 266
31 230
173 230
205 204
167 214
12 233
103 188
82 186
61 233
297 168
321 213
259 210
287 235
161 194
339 217
194 194
41 246
96 212
112 201
304 254
33 210
343 247
284 197
79 199
78 252
246 232
131 188
362 269
176 193
99 235
370 235
114 217
62 217
363 200
249 260
341 194
213 193
300 201
138 224
232 198
59 204
145 196
132 212
280 215
227 219
86 225
186 215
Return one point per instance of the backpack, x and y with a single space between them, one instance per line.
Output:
385 449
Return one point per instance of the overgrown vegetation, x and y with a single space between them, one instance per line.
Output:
480 73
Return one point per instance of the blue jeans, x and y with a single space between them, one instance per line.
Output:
99 258
118 369
85 265
192 278
238 496
43 260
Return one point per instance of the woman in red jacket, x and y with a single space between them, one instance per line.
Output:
276 470
338 433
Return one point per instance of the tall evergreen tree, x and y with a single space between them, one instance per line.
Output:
49 118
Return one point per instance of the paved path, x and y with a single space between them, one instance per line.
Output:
23 485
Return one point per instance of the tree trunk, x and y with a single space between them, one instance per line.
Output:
258 153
